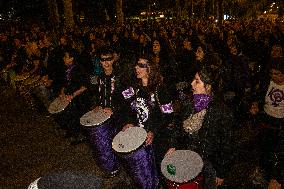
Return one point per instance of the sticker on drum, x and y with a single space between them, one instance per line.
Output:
129 140
58 105
182 166
93 118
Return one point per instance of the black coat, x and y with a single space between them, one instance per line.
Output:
213 141
278 161
157 120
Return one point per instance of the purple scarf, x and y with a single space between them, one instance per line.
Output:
201 101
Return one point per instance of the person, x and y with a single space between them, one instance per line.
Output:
101 137
270 103
74 87
147 103
276 180
206 127
162 56
186 57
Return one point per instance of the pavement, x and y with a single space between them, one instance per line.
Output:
31 146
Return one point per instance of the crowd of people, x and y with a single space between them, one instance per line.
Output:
192 85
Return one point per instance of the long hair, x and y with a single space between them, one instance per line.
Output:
155 78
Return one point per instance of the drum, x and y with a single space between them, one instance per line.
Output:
21 77
31 80
137 159
58 105
101 131
182 170
93 118
67 180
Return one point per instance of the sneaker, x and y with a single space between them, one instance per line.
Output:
114 173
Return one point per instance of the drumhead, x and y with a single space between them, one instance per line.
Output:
31 80
182 166
21 77
129 140
58 105
93 118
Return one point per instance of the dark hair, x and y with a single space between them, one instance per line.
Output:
72 52
155 77
277 63
211 77
105 50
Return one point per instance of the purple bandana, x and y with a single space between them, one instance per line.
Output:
201 101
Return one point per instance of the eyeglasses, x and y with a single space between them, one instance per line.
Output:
142 65
106 59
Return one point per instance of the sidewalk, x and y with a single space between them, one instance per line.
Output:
31 146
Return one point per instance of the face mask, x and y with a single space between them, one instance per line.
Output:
201 101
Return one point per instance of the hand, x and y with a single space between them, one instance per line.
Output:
108 111
97 108
69 97
127 126
273 184
219 181
150 137
254 109
170 151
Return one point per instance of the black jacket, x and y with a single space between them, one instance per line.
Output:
278 161
213 141
149 107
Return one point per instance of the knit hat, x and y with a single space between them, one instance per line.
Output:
67 180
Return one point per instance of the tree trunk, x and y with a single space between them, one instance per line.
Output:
54 19
185 9
220 10
53 13
68 14
203 6
178 8
119 11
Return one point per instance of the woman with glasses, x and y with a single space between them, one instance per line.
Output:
148 104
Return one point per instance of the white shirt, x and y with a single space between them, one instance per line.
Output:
274 100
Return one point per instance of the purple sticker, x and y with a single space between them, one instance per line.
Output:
167 108
128 93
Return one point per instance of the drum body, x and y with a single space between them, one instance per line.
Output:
138 161
140 165
196 183
100 138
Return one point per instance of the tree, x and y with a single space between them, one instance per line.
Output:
203 8
119 11
53 14
68 14
178 9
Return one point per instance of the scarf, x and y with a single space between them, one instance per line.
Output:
201 101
